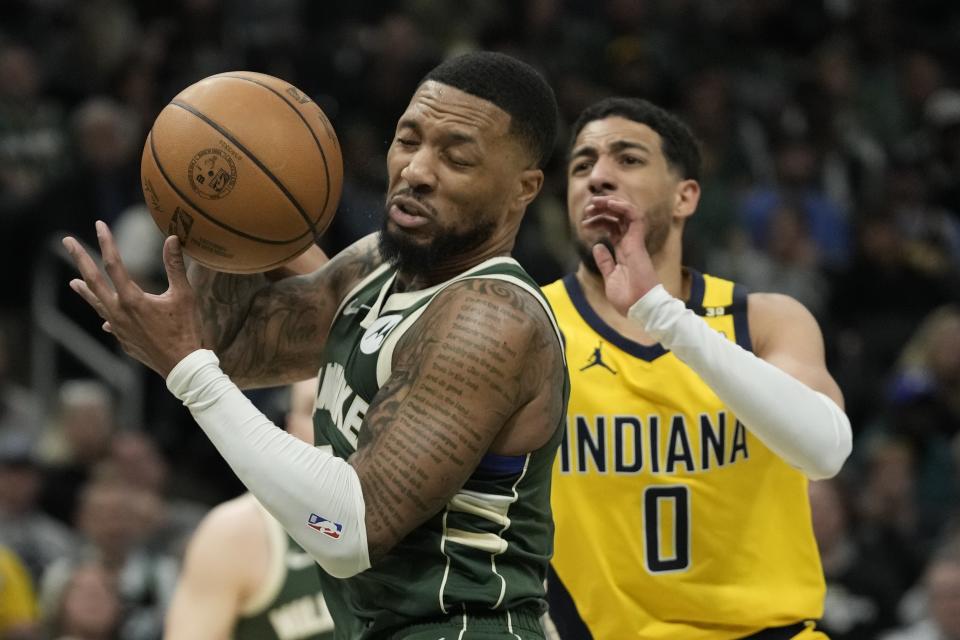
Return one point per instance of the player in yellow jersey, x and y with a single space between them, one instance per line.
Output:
696 416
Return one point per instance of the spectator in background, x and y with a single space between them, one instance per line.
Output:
362 195
107 139
135 461
929 366
397 53
851 160
797 187
924 402
32 157
20 411
33 535
920 75
942 586
115 521
931 232
887 506
732 144
862 591
86 607
18 604
78 440
789 263
876 305
942 114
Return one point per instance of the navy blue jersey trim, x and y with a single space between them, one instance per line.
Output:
697 289
741 325
614 337
611 335
498 465
563 611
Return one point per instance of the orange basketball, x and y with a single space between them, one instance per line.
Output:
245 169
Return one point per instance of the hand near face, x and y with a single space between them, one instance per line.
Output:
157 330
628 273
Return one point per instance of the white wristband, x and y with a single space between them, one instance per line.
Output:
803 426
313 494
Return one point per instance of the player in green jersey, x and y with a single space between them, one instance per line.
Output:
443 385
243 578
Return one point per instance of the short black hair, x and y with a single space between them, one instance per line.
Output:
680 147
512 85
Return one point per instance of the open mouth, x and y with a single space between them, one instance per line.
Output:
601 217
608 221
407 216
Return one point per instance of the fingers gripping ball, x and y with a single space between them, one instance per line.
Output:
244 169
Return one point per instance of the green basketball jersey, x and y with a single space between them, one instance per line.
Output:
487 550
290 604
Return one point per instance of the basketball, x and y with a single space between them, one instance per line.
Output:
244 169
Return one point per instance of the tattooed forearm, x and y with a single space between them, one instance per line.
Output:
259 330
282 335
223 300
270 333
459 376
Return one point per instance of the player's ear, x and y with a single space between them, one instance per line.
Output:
530 183
687 198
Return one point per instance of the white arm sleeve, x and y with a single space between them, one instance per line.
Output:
803 426
312 493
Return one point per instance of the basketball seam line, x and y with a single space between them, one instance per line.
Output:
183 196
326 169
276 181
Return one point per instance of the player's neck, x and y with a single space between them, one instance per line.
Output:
449 270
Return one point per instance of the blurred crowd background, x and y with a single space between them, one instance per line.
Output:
830 132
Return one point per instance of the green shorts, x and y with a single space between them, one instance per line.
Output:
509 625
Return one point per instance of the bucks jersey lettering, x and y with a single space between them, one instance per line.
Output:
487 551
673 520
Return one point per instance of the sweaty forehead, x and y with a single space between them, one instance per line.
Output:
436 104
603 134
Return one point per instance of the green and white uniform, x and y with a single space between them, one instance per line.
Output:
289 604
479 564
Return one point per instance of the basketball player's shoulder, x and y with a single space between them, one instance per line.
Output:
500 308
238 523
773 316
506 333
766 303
231 530
352 265
500 323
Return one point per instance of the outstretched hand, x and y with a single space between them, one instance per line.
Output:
157 330
628 273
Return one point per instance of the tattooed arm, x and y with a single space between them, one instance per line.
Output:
271 333
480 371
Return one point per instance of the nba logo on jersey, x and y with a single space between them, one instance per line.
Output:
324 526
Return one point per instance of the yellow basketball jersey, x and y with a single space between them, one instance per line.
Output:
672 519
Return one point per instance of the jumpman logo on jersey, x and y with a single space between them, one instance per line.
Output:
596 360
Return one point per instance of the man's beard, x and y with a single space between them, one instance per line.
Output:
417 259
656 238
586 254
